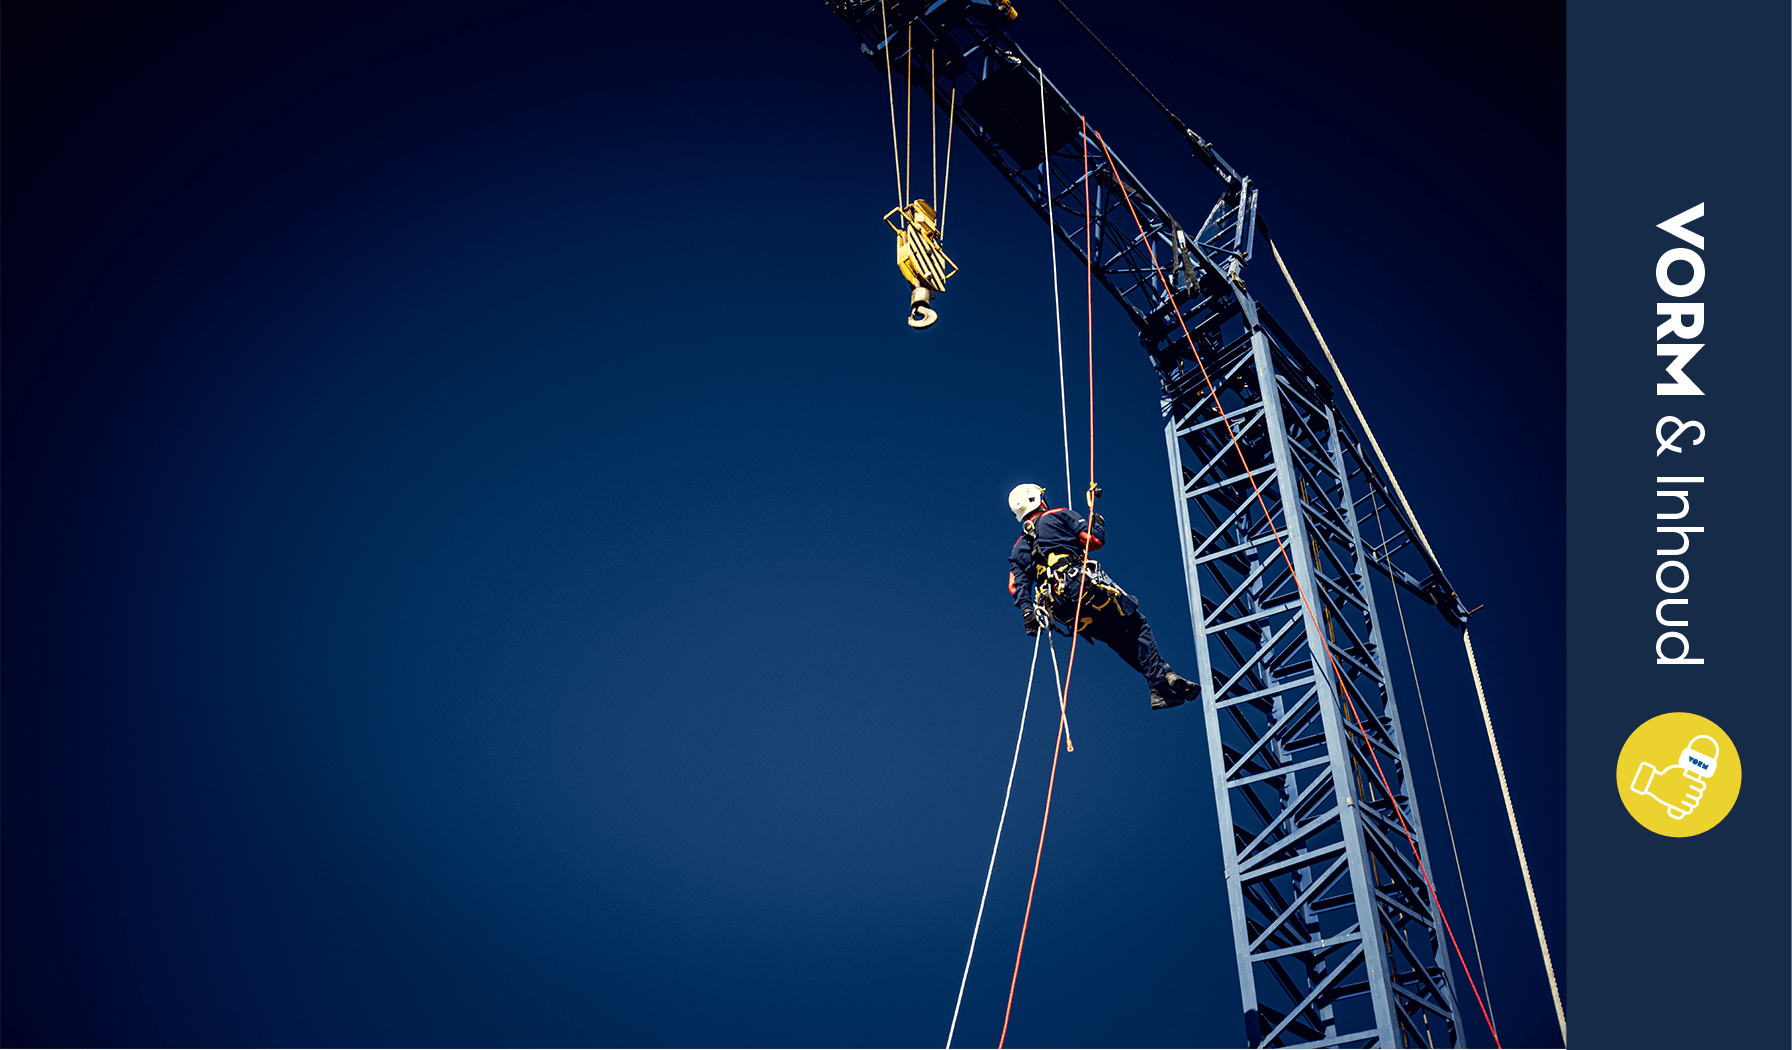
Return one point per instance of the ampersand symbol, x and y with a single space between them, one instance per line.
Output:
1667 443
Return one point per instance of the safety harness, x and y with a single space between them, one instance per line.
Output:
1056 575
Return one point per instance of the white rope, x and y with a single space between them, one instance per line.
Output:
1354 407
1536 916
1051 231
1487 719
908 118
1045 627
890 85
1012 766
1063 710
951 115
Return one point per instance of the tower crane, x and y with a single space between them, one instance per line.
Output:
1283 509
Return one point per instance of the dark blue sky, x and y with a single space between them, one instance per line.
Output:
485 562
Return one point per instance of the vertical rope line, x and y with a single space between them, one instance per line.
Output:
1051 231
1045 170
1523 867
1045 182
951 115
1028 915
1032 667
1474 939
908 120
1089 299
933 123
890 85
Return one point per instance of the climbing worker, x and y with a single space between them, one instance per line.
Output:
1046 568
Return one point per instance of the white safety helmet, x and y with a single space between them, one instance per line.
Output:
1024 500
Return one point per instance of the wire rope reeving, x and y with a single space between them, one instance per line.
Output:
890 84
1474 938
1306 605
933 125
908 120
1486 717
1008 793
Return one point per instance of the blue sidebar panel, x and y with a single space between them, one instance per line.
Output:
1677 115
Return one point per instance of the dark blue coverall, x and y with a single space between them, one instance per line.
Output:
1108 616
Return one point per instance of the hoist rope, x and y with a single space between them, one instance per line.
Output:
1008 793
1486 717
908 119
1307 606
890 85
1474 939
933 124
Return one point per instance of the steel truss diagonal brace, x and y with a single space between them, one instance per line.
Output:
1302 721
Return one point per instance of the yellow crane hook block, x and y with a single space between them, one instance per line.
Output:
921 259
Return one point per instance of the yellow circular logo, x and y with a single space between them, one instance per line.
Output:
1679 774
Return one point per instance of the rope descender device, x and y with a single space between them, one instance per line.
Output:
922 262
1093 494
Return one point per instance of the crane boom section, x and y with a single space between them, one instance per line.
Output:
1282 512
1001 111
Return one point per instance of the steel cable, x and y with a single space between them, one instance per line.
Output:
1486 717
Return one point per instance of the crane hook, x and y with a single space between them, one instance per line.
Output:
920 314
918 255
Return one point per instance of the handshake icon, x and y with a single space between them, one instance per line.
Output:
1679 786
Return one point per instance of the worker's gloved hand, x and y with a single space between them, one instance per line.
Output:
1030 620
1097 519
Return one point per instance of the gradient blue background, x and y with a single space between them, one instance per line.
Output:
485 562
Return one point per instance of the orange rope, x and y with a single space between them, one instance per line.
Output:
1081 583
1307 606
1035 883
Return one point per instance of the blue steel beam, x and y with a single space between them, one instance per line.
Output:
1333 923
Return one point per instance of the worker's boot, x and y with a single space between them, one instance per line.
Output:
1173 691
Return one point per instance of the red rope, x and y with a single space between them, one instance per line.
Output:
1307 606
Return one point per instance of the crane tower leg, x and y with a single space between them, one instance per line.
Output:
1336 935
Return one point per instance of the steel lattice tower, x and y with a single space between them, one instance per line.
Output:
1282 514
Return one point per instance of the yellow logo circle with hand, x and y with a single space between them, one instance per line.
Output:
1679 774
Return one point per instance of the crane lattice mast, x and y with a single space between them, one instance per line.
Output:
1282 512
